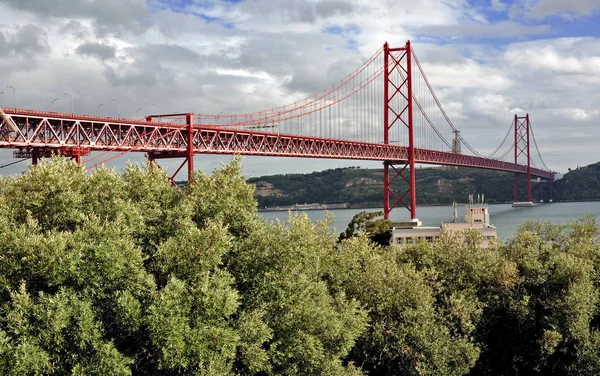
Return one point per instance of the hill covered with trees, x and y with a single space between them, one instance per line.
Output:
360 187
123 274
579 184
364 187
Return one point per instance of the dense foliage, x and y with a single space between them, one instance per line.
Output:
370 224
107 273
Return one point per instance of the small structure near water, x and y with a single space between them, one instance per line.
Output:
477 217
522 204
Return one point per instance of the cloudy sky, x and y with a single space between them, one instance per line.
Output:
486 59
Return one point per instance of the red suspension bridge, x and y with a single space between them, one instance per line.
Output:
386 111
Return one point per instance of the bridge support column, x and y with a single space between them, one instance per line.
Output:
35 156
188 154
522 148
75 153
399 104
190 147
78 156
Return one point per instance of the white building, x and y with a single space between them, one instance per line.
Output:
477 217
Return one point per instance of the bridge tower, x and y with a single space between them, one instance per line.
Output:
188 154
398 112
456 143
522 151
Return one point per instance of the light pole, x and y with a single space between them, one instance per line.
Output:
98 108
52 104
15 92
138 111
118 106
69 95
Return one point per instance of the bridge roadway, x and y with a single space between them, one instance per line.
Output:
65 133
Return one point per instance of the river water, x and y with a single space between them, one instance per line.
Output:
506 218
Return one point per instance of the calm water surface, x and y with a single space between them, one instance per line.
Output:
506 218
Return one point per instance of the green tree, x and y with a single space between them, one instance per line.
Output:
107 273
407 332
280 271
546 321
91 267
223 196
378 230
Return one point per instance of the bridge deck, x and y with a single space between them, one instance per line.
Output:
25 129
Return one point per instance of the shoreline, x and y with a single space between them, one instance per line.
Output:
350 207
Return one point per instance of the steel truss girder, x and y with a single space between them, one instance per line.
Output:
66 132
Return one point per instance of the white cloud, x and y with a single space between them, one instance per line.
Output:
575 61
499 6
577 114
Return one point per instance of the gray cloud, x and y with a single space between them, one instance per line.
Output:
309 12
168 53
100 51
150 65
76 29
110 17
329 8
293 11
25 41
506 29
545 8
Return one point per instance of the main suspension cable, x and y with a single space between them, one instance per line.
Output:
442 108
536 147
503 141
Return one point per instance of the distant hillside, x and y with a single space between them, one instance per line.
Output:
364 187
360 187
580 184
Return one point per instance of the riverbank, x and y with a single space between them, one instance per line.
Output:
506 218
317 206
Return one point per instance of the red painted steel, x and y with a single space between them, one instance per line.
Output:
400 116
522 147
516 192
528 161
189 153
56 132
386 130
411 137
190 147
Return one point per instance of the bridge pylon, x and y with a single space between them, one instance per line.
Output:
398 113
188 154
522 151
